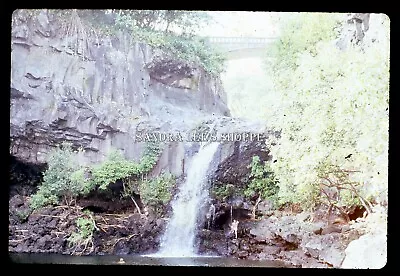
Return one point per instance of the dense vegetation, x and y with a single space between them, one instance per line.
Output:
157 192
263 183
333 115
58 185
172 31
64 180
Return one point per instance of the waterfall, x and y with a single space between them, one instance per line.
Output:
179 237
211 216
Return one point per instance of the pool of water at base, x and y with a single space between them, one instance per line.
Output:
140 260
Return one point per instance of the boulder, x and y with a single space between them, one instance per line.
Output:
367 252
327 248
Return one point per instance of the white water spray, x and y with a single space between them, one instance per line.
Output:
179 238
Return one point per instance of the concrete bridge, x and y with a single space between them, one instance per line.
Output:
242 47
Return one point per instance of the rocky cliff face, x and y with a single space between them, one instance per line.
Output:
98 92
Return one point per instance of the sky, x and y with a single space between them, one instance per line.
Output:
242 23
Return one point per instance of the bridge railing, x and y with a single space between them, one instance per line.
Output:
241 40
229 44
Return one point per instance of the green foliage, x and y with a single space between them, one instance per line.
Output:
65 179
173 31
222 192
263 182
178 21
42 197
61 164
335 104
195 50
23 214
150 157
157 192
57 178
115 167
302 33
184 46
79 178
86 226
188 48
170 30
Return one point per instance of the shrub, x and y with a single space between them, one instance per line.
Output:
42 197
185 46
262 181
115 167
80 178
195 50
23 214
57 182
149 158
65 179
83 237
222 192
157 192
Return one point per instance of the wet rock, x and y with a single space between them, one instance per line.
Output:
160 223
268 250
345 228
327 248
259 240
232 159
303 216
213 242
21 248
262 230
331 229
318 231
122 248
41 242
265 206
242 254
33 218
294 257
46 211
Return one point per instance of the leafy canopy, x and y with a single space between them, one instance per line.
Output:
334 112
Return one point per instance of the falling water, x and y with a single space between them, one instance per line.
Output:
211 216
178 240
231 213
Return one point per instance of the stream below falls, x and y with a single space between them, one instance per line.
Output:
139 260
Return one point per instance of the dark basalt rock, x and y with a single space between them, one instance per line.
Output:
98 96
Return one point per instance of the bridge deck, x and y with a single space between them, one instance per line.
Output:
238 43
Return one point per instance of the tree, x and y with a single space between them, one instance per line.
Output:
335 114
177 21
